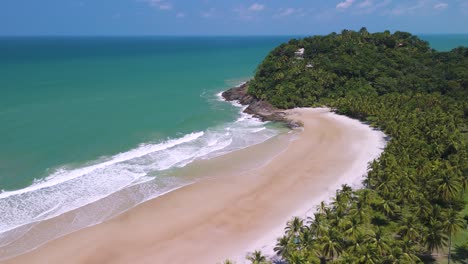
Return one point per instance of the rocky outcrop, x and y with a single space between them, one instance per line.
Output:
256 107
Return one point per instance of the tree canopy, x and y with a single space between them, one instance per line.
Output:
358 63
414 192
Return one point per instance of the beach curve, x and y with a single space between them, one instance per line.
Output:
224 217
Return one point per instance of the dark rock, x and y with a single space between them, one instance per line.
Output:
236 93
256 107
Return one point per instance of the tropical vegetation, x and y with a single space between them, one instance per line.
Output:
410 208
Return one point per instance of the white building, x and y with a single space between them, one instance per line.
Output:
299 53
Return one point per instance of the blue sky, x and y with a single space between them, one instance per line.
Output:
243 17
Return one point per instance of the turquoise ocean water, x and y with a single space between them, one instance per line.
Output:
446 42
82 118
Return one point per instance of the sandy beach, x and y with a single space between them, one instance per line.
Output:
230 214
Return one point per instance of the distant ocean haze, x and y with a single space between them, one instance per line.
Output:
82 118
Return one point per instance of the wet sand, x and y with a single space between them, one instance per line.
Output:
228 214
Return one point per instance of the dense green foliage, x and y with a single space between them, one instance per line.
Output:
411 205
358 63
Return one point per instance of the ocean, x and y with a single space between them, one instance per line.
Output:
445 42
82 118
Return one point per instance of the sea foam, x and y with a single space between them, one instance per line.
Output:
139 172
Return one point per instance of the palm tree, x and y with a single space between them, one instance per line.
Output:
331 247
365 199
256 257
464 179
351 227
397 255
408 228
423 207
297 258
283 246
307 239
449 187
368 254
360 210
317 225
437 213
294 227
387 185
340 204
355 245
343 196
461 252
346 190
389 207
435 238
381 241
346 258
322 207
409 250
452 225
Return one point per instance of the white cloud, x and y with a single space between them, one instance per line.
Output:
420 7
464 7
327 14
256 7
371 6
180 15
151 2
287 12
209 13
440 6
165 6
366 4
160 4
408 9
249 13
344 5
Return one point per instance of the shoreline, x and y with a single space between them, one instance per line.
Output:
23 230
211 232
260 109
352 178
29 237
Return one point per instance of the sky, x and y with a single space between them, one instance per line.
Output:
222 17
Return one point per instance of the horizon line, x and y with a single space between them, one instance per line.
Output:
201 35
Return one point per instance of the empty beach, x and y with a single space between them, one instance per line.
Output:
239 208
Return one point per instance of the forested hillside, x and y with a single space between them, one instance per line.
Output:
414 196
358 63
